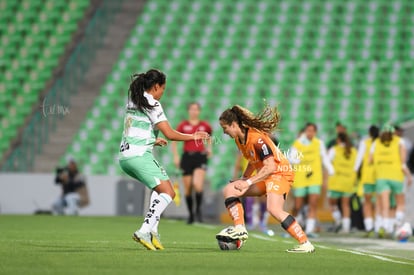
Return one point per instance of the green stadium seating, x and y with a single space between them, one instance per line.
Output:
320 61
33 35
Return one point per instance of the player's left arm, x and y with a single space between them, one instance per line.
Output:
403 156
248 171
269 167
209 142
325 159
264 153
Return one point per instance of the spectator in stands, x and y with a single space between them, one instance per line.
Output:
339 128
74 193
193 162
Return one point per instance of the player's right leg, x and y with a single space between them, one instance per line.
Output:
236 211
299 194
314 192
147 170
277 191
368 209
336 213
383 191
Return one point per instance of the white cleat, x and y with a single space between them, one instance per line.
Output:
144 239
306 247
233 233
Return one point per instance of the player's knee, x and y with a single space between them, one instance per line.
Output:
172 194
227 191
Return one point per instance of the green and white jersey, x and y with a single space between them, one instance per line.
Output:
140 130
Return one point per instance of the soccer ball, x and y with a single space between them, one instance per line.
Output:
404 232
230 244
227 243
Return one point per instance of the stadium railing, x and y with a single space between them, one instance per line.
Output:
36 134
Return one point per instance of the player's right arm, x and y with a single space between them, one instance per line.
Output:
171 134
248 171
403 153
360 156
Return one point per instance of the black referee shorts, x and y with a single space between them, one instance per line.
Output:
191 161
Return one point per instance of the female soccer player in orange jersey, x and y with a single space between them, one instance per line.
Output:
274 174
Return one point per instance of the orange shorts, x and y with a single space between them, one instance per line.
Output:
277 184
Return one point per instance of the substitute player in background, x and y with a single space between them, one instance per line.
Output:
193 161
308 153
367 179
388 155
274 175
341 184
143 120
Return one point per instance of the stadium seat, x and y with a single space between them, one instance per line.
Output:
33 35
320 61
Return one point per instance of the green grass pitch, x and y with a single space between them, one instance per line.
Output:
103 245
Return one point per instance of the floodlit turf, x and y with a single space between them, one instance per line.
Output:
103 245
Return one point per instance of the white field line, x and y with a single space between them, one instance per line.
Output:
369 254
362 253
381 258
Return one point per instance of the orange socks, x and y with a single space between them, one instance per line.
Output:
235 209
294 229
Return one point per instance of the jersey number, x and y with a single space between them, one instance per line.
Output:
124 146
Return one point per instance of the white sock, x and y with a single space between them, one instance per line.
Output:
369 224
388 225
346 225
378 223
310 225
399 218
157 206
154 195
336 214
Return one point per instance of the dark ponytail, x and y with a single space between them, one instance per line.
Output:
143 82
373 132
348 145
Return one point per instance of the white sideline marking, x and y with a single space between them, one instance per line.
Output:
381 258
369 254
203 225
260 237
322 246
364 253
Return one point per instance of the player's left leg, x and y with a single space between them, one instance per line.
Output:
383 189
235 207
199 175
336 213
398 192
147 235
149 172
277 190
314 192
346 212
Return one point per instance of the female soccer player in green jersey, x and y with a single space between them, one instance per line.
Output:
143 120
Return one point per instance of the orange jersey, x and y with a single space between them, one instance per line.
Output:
259 147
